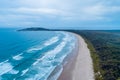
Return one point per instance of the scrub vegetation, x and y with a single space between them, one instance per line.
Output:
105 51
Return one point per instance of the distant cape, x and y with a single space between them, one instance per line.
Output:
34 29
45 29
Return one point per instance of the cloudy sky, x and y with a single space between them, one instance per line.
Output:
82 14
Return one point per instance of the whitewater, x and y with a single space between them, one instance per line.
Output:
34 55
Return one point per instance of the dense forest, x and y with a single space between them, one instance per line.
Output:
107 46
105 51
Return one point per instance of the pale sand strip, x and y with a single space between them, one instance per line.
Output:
84 66
79 64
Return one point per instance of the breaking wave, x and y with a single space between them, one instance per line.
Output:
42 60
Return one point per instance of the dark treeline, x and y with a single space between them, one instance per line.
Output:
107 46
107 49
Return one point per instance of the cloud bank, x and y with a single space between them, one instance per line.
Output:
57 13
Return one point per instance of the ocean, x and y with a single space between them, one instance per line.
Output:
33 55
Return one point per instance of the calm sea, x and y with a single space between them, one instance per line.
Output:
33 55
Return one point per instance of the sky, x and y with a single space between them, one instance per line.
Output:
75 14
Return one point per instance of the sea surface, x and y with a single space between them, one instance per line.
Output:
33 55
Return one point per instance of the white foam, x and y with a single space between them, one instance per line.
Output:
3 62
43 73
13 71
5 67
36 77
51 54
44 65
18 57
56 76
51 41
45 44
24 72
36 62
34 49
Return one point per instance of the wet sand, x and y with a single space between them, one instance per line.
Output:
79 64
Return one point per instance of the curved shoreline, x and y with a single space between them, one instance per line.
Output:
79 66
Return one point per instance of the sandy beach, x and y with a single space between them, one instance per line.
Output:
79 65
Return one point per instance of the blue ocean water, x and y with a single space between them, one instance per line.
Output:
33 55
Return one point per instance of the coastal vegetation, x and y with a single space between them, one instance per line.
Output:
34 29
105 51
96 60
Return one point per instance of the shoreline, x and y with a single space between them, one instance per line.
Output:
79 66
69 62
